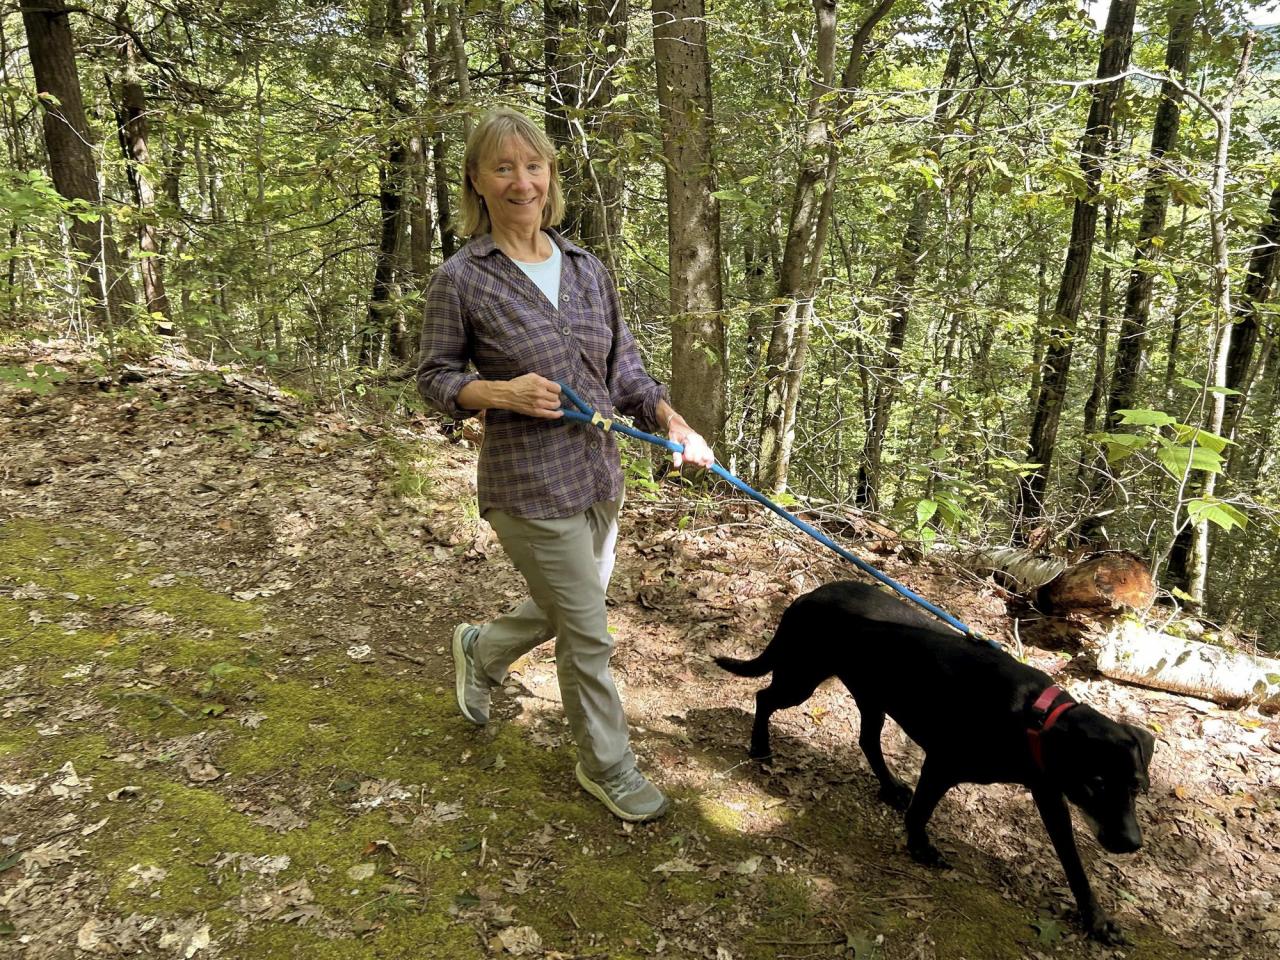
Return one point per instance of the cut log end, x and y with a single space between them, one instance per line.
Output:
1112 581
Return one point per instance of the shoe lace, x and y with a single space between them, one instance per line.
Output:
628 781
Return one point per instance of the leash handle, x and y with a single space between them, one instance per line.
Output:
584 413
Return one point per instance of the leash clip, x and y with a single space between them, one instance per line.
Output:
604 423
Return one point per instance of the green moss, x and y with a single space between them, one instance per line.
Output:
411 463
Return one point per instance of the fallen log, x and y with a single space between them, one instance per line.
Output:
1134 653
1111 581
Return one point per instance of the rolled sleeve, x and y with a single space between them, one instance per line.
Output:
445 349
633 391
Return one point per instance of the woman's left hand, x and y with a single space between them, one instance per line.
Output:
696 450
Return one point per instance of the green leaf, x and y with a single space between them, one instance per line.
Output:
1216 512
1048 930
223 670
925 509
1178 460
1146 418
1201 438
1196 385
1122 445
10 861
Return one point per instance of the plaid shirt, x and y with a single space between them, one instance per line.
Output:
484 309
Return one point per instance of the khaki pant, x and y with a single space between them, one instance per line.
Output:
566 563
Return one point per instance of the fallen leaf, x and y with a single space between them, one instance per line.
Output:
361 871
200 771
676 865
520 941
187 938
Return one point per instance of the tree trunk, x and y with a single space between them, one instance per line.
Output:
439 152
904 281
71 160
1131 346
561 91
600 189
797 282
133 140
1197 556
699 353
1264 265
1117 42
1101 341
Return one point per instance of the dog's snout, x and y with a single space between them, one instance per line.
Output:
1125 839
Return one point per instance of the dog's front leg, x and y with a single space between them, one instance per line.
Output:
934 782
1057 821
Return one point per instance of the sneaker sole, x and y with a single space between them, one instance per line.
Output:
460 673
597 791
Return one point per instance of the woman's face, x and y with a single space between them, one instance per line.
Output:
513 180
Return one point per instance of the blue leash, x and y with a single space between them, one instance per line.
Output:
585 414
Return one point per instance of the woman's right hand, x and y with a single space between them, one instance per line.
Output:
533 396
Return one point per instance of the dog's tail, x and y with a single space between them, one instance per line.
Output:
756 667
793 621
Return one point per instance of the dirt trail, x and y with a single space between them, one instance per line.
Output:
227 727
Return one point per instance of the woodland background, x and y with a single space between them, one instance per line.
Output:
1002 271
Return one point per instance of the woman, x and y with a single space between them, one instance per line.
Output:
530 310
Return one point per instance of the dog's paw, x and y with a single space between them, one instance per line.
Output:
1105 930
896 795
928 855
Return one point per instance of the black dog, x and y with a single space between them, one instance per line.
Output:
979 714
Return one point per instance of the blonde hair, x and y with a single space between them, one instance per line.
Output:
485 139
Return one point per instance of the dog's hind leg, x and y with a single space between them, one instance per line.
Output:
892 790
786 691
934 782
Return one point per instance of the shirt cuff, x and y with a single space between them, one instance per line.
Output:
442 394
647 418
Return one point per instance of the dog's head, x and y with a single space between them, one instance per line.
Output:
1101 766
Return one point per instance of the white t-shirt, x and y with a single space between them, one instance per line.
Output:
546 274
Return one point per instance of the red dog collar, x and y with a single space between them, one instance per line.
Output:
1044 718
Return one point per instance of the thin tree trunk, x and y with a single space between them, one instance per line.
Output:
1131 346
461 70
797 281
1117 42
1264 265
699 353
600 189
1098 386
133 130
1197 572
71 161
439 152
904 281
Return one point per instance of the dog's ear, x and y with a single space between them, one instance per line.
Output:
1146 745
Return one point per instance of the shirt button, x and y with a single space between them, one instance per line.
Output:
566 330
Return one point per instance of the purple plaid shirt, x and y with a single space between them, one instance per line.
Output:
483 309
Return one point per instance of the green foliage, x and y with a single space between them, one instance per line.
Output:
40 379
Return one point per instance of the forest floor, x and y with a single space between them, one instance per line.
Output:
227 725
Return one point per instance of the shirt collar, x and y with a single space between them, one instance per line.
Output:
483 245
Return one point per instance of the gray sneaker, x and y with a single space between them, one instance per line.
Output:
627 795
472 685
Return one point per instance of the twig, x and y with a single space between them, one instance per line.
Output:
406 656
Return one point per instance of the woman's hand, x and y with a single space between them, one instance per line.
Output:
533 396
696 450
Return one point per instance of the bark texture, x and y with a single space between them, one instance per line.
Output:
699 355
